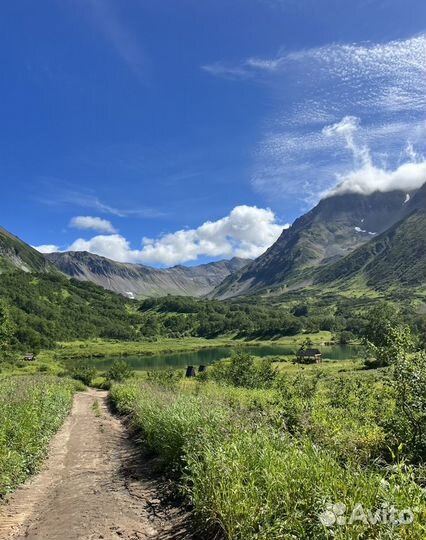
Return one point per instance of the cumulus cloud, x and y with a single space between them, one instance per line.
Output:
366 177
246 232
112 246
47 248
92 223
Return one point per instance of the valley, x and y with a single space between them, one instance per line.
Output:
169 456
213 270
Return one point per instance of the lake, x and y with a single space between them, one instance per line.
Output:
208 356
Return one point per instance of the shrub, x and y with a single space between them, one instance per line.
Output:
119 371
83 371
409 382
165 377
245 371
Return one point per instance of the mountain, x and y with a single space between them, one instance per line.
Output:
136 280
396 257
51 308
336 227
14 253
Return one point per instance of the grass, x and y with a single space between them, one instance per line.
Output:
263 464
32 409
16 366
96 408
101 347
328 366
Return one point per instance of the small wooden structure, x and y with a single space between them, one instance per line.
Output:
309 356
29 357
190 371
202 369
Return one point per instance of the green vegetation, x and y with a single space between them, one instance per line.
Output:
262 453
83 372
46 308
97 408
394 259
243 371
48 311
345 318
102 347
119 371
175 316
264 464
260 447
32 409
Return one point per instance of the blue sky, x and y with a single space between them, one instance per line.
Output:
166 132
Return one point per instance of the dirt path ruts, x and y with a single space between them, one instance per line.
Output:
93 486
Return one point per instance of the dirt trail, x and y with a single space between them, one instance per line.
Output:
94 486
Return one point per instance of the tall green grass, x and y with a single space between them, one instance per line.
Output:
31 410
248 476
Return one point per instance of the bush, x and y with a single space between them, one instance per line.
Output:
83 371
101 382
409 425
165 377
245 371
119 371
345 337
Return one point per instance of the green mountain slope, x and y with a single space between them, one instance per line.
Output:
48 307
393 259
332 230
14 253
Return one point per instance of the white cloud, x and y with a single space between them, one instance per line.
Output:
396 71
305 166
47 248
382 83
92 223
113 246
220 69
86 200
369 178
246 232
247 69
366 177
347 128
267 64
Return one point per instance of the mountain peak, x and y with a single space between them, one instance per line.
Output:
140 280
14 253
332 230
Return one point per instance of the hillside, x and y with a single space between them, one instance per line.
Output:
336 227
14 253
396 257
48 307
136 280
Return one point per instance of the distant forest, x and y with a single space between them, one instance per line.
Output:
45 308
